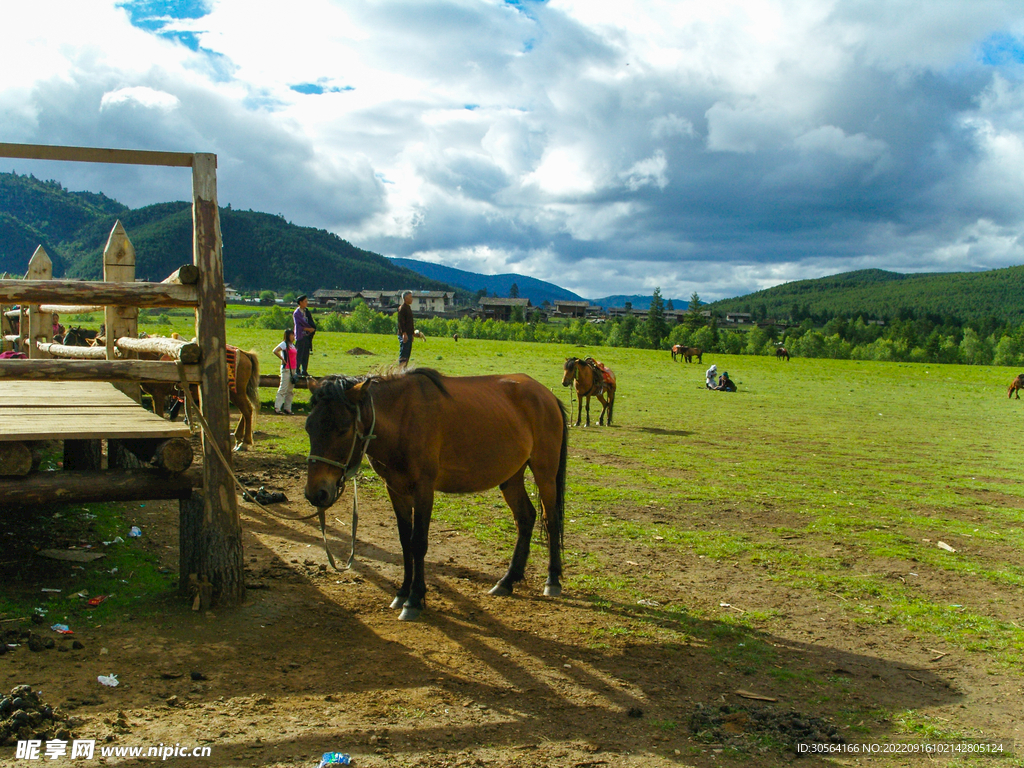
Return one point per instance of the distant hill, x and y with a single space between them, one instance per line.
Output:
537 291
260 250
876 293
638 301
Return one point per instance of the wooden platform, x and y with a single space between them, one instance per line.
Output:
79 410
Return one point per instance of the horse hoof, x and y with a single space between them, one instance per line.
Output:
409 614
552 590
238 448
399 602
500 590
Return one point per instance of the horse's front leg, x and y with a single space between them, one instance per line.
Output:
415 603
403 516
525 514
588 413
579 409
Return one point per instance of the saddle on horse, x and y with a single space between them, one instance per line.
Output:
605 373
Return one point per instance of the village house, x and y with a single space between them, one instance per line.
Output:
325 297
566 308
501 309
432 301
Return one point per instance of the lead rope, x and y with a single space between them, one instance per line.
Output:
208 433
348 472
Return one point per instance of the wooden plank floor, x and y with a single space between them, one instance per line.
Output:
80 410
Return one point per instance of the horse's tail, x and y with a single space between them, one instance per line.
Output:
563 458
611 403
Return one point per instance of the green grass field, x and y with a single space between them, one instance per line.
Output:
837 479
883 459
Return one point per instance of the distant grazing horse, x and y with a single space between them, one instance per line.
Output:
782 353
244 393
1015 386
688 353
423 433
588 377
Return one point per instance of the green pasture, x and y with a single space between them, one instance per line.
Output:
838 478
826 476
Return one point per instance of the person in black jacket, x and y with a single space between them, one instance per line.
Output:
406 329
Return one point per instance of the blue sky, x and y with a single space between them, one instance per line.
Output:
607 147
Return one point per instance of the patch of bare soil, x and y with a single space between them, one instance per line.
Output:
316 661
358 351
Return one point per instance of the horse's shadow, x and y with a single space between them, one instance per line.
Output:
660 431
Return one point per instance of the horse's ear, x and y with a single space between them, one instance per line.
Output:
312 385
355 393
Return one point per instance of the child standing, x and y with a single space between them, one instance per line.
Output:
288 355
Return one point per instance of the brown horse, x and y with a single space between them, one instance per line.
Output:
244 394
688 353
782 353
589 380
1015 386
423 433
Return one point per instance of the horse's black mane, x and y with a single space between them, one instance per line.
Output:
335 386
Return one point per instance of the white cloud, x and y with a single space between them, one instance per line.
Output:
141 95
716 147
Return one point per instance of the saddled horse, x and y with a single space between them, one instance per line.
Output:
589 380
1016 386
244 392
782 353
423 433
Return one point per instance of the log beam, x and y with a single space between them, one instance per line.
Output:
188 352
271 381
95 370
96 293
72 353
77 486
15 459
186 274
173 455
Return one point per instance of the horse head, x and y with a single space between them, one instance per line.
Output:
334 429
569 370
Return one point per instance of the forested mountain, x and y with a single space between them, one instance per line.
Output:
877 294
261 251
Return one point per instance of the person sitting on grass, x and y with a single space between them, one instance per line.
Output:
711 376
725 384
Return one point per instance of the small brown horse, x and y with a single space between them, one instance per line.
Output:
1015 386
589 381
423 433
688 353
244 394
782 353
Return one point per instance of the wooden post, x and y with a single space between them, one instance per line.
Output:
119 267
217 555
40 324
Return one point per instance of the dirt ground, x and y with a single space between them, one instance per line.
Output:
316 661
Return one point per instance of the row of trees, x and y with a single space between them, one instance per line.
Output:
922 340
